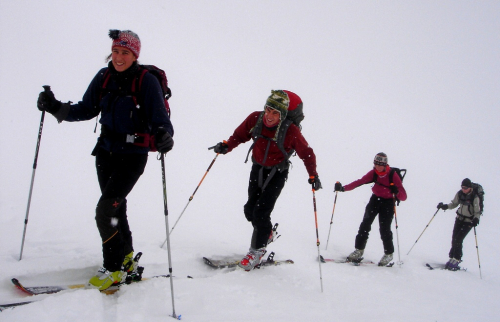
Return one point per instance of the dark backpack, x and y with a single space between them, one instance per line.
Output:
401 173
137 83
477 190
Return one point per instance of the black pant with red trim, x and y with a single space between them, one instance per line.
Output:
261 203
117 174
384 208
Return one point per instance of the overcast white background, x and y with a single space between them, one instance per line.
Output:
416 80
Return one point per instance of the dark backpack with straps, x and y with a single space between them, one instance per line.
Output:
137 83
400 172
280 140
145 139
477 190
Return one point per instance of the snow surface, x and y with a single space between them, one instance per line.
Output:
417 80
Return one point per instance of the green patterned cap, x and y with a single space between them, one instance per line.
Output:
279 101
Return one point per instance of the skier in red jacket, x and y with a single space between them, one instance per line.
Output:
275 139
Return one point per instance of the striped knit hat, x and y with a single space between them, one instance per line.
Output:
279 101
127 39
380 159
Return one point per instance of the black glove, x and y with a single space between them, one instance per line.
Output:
314 181
163 140
394 189
47 102
442 206
475 222
338 187
221 148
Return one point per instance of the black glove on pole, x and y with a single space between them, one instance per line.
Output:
47 90
47 101
221 147
442 206
163 140
315 182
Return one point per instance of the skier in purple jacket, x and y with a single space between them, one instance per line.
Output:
387 189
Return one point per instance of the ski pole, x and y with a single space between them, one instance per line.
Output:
165 206
47 89
477 249
317 239
423 231
396 222
331 219
191 198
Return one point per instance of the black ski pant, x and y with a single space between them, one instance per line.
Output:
384 208
261 203
117 174
460 231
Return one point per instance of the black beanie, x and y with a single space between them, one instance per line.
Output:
467 183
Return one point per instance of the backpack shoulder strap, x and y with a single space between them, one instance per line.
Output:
105 81
255 133
391 176
285 125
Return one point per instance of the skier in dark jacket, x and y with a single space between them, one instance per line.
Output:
382 203
467 217
128 133
270 166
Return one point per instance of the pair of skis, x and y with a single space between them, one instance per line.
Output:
354 263
233 263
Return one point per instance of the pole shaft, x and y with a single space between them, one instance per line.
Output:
192 196
317 239
165 204
35 162
422 232
477 249
397 233
331 220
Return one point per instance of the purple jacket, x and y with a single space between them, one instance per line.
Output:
381 187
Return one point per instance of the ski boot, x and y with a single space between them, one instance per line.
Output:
356 256
385 260
252 259
104 279
452 264
132 268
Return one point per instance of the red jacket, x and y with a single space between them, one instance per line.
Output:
293 140
382 188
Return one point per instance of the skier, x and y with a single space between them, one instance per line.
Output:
127 134
270 165
387 189
467 217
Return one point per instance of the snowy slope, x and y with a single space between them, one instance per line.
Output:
417 81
